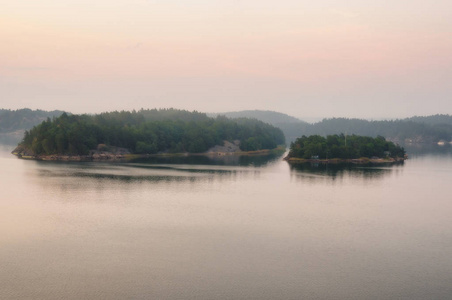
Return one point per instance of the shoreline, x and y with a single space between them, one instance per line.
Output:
112 157
360 161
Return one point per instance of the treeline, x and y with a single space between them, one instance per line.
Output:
20 119
148 131
438 119
267 116
343 147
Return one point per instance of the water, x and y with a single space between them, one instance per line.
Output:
237 229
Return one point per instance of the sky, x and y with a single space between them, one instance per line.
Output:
309 59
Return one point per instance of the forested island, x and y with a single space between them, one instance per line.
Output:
145 132
344 148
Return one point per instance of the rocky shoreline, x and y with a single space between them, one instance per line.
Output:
360 161
116 154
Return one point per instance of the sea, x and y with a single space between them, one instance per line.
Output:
234 227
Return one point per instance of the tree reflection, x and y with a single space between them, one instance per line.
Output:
339 171
258 160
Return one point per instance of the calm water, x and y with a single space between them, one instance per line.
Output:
238 229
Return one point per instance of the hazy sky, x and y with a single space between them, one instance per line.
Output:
356 58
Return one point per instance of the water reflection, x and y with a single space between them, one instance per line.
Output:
166 173
160 169
84 178
339 171
131 172
223 160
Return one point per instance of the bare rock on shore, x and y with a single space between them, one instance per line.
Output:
110 152
21 150
101 153
227 147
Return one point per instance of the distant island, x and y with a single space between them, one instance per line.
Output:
13 123
114 135
419 129
342 148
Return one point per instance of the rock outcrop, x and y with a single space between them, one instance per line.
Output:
227 147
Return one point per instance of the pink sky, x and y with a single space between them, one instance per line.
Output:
322 59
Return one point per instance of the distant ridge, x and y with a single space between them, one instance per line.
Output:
417 129
432 120
267 116
25 118
13 123
292 127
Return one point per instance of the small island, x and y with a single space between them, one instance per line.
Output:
344 149
122 135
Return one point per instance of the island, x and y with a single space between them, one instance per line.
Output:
117 135
344 149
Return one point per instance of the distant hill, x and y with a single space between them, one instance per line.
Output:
13 123
290 126
430 129
432 120
267 116
417 129
22 119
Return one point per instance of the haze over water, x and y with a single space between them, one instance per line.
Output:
241 229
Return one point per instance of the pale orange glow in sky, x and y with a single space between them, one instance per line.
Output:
322 59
